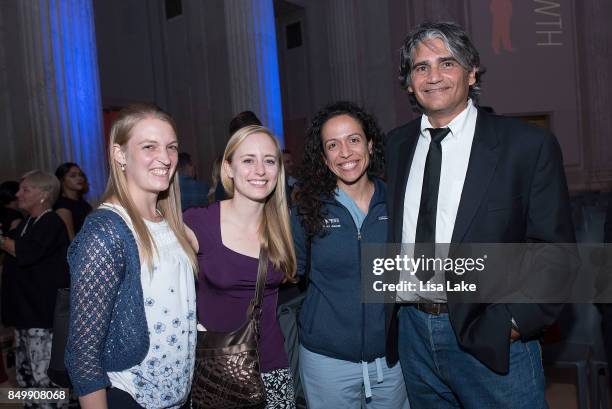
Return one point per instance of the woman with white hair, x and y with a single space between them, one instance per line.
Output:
34 268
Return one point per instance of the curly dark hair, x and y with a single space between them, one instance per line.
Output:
315 180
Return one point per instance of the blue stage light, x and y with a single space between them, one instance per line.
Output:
268 67
77 88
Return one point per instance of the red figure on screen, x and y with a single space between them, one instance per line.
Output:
501 10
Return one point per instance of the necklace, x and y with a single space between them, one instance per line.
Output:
33 223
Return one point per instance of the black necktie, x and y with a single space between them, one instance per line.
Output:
425 239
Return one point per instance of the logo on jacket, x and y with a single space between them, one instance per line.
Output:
333 222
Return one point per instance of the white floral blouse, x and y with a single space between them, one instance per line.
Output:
163 378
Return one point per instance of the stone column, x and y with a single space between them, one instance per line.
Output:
253 60
343 51
63 91
8 169
594 39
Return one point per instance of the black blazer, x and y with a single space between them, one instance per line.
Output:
514 192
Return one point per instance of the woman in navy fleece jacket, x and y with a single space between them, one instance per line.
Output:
340 204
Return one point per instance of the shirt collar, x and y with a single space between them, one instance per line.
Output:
456 125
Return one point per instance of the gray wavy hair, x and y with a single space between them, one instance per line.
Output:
458 43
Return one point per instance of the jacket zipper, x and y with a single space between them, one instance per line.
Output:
359 264
363 319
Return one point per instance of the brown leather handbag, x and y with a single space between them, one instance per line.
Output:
227 373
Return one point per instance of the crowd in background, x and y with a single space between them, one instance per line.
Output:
40 214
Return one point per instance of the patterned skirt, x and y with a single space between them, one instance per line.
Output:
279 389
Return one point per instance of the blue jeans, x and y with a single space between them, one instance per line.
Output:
439 374
334 383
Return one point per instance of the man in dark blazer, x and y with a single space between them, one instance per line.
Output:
458 174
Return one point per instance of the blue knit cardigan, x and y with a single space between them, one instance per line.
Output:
108 328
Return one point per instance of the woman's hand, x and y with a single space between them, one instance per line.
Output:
8 245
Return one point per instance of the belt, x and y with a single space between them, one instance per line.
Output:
432 308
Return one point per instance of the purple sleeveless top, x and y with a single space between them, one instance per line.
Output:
226 285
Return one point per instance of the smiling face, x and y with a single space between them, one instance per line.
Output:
439 83
254 167
30 198
74 180
346 148
150 156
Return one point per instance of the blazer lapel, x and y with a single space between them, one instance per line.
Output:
483 161
407 147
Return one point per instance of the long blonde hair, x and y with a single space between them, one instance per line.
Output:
215 172
275 229
168 201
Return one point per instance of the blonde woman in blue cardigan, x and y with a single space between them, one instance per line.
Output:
132 330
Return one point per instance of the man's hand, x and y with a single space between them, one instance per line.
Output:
514 335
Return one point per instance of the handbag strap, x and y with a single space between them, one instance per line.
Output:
254 311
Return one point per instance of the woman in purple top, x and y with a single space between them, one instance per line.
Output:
230 234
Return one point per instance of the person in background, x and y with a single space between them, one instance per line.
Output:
34 269
215 192
244 118
289 163
132 335
10 218
9 215
71 206
241 120
339 206
289 290
230 235
193 192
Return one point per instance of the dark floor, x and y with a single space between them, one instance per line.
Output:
560 390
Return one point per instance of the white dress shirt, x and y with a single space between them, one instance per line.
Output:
456 148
